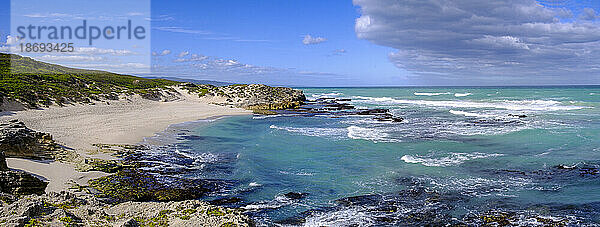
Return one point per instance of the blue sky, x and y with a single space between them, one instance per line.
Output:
270 34
373 42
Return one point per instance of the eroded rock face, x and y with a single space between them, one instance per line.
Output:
251 96
68 209
21 183
3 166
16 140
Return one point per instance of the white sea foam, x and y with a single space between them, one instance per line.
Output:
375 135
451 160
254 184
470 114
462 94
477 186
265 116
327 95
431 94
318 132
279 201
345 217
531 105
301 173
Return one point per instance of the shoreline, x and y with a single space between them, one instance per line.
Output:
129 121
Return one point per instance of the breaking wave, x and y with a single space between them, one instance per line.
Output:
451 160
355 132
431 94
531 105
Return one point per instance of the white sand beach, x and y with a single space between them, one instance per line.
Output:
127 121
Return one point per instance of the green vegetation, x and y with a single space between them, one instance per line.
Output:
132 184
67 221
93 164
228 224
35 83
33 223
215 212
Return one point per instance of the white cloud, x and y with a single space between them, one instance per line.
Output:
308 39
510 40
12 40
101 51
192 58
69 58
589 14
183 54
507 42
183 30
339 51
161 18
162 53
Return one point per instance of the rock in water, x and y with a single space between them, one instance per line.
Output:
16 140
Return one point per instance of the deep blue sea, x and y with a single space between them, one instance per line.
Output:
465 148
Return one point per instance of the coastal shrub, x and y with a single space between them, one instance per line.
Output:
215 212
41 84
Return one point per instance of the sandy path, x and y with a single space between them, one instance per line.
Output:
125 121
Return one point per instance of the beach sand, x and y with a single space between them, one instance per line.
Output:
126 121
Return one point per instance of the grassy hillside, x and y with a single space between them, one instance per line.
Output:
35 83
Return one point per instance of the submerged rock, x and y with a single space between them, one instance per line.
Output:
373 111
295 195
131 184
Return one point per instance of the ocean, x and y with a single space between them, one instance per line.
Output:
529 155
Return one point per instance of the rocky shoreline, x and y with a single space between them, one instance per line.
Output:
129 197
115 199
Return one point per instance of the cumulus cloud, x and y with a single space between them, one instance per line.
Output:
308 39
101 51
183 54
483 40
12 40
192 58
162 53
589 14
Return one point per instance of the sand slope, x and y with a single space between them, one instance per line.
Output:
124 121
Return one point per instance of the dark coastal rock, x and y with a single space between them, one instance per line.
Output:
373 111
556 173
225 201
388 117
295 195
517 115
132 184
3 165
21 183
16 140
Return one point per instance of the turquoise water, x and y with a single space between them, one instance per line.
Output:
455 141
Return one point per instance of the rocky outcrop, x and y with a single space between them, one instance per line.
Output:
21 183
68 209
16 140
3 165
250 96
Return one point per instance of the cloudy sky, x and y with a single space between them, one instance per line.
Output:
373 42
